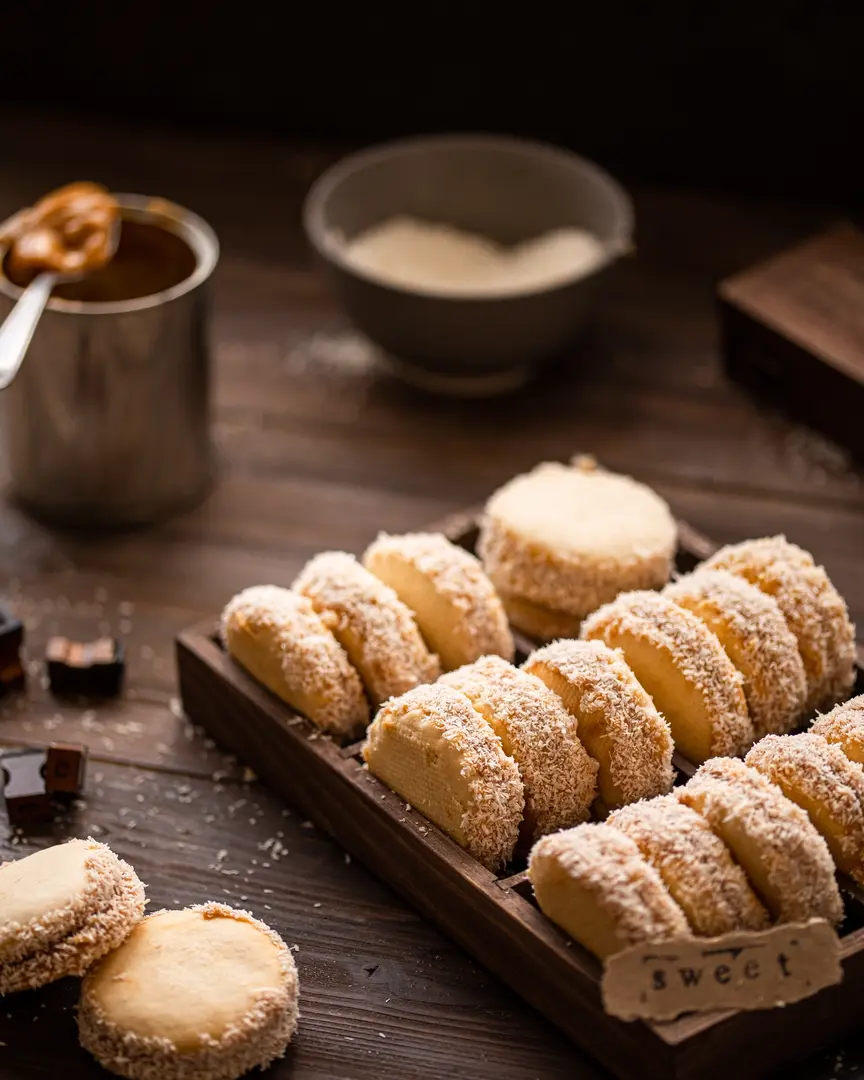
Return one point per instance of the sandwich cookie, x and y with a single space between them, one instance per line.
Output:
61 910
279 639
844 725
751 628
814 610
432 747
684 668
206 993
370 622
455 604
702 877
564 539
820 778
782 853
593 882
535 729
617 721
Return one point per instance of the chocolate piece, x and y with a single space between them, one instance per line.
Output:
25 793
65 767
91 669
11 639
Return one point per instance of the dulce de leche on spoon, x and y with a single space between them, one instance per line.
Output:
68 231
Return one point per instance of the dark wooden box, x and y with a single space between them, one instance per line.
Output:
493 916
792 330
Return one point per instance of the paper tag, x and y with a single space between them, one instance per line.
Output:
747 970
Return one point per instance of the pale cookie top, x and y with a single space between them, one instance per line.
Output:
537 730
458 577
47 895
609 866
585 513
207 973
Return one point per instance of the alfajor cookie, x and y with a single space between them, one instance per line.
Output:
537 731
751 628
432 747
684 668
696 866
370 622
278 637
455 604
844 725
206 993
565 539
816 613
819 777
61 910
593 882
617 721
787 861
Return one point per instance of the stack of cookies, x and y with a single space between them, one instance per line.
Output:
349 635
209 991
561 540
748 645
742 845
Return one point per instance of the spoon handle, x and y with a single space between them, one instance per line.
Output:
17 331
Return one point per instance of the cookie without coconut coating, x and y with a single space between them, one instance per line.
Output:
593 882
435 750
826 785
570 538
844 725
617 721
370 622
279 639
207 993
537 731
61 910
538 622
702 877
454 603
684 668
751 628
783 855
814 610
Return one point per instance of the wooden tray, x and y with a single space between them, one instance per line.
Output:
492 916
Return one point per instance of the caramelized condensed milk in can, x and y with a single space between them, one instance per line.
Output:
107 422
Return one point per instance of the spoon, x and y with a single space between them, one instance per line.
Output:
17 331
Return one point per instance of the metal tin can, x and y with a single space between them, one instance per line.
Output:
107 423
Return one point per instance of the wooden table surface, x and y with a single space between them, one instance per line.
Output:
320 448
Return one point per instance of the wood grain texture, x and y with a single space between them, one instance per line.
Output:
320 448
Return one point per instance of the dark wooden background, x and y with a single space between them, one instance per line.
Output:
320 449
760 97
